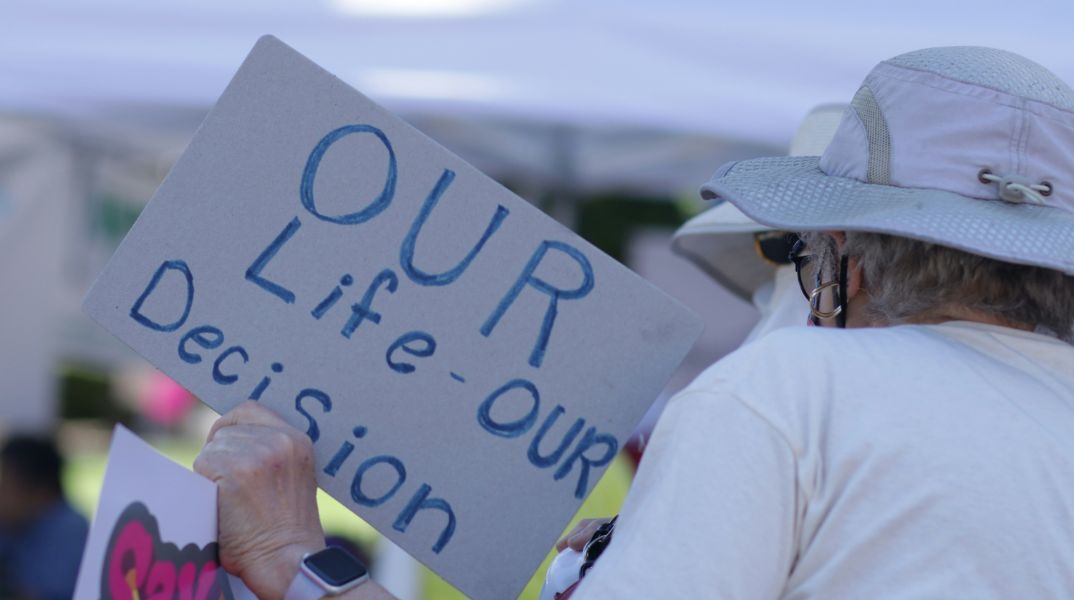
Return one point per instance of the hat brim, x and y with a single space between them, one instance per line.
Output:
719 241
792 193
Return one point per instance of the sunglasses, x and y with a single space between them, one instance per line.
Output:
774 247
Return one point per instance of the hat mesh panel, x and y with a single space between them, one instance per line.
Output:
876 132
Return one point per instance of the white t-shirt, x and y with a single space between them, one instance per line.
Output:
904 462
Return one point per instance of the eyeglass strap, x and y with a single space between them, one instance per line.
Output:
841 318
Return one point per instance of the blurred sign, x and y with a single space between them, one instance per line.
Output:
154 534
466 367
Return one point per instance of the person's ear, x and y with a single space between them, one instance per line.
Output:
840 238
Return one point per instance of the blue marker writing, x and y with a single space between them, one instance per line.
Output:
188 278
360 497
253 272
363 311
554 294
414 343
422 501
310 174
322 398
509 429
406 252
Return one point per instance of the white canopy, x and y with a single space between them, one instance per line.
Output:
625 71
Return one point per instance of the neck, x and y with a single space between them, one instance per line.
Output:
965 313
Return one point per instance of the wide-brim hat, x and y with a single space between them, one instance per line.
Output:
720 240
970 148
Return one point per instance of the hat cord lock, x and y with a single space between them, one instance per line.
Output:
1013 190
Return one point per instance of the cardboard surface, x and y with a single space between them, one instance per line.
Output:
466 366
154 531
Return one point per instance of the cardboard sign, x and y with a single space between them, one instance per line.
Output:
154 534
466 366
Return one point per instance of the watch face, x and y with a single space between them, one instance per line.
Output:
335 566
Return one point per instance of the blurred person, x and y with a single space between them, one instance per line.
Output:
920 444
41 536
752 260
748 259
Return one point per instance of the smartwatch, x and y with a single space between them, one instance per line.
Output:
327 572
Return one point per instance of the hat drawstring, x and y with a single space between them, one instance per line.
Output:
1016 191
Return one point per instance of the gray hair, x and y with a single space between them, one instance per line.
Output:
907 280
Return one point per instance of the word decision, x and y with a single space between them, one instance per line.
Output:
466 367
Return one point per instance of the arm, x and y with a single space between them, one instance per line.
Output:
711 512
267 502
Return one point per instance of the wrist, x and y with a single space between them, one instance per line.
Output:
272 577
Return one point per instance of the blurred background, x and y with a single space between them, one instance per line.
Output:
607 114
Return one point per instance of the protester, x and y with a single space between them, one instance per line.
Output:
752 260
41 536
924 451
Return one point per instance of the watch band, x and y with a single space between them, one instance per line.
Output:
303 587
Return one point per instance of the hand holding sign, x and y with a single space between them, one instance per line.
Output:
263 470
465 367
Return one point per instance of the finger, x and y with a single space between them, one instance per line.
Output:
585 524
206 466
219 460
562 543
247 413
578 541
581 537
220 453
240 444
244 450
584 528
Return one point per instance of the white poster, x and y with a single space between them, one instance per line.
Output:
154 534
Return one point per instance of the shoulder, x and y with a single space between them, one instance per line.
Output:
797 376
64 522
811 352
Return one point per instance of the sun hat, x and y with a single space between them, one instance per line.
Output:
966 147
720 240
